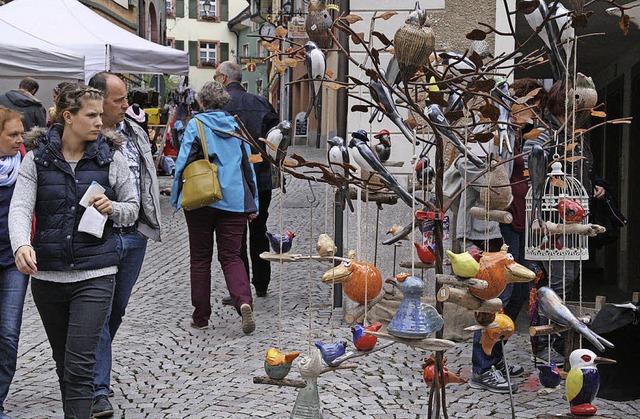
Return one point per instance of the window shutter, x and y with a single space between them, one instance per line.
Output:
193 53
179 45
179 8
224 52
194 5
224 10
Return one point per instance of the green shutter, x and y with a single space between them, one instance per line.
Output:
224 10
193 53
193 9
179 45
179 8
224 52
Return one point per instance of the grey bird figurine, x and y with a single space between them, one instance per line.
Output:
316 69
383 148
367 160
551 306
278 141
506 135
338 156
537 166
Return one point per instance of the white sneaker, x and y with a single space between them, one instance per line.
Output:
248 322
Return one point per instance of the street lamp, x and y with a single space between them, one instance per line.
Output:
206 7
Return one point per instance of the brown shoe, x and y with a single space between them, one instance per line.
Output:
248 322
197 326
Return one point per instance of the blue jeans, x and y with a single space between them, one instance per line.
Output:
516 293
73 315
481 362
13 287
131 250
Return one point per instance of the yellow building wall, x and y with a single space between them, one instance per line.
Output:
130 14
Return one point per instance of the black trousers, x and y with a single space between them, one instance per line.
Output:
73 315
258 243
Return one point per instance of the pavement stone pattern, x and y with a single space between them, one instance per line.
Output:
165 369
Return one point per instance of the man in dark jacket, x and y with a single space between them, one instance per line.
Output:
257 114
24 101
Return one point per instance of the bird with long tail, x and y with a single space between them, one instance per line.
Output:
316 69
537 166
339 162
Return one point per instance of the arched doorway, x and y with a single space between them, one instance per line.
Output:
152 28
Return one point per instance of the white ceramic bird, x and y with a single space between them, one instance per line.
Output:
278 141
338 157
316 69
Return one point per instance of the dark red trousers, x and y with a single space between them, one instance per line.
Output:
228 228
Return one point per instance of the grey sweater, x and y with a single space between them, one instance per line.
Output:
23 203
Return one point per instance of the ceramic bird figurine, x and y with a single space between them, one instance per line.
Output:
307 404
583 381
367 160
499 269
428 372
586 96
383 148
570 211
364 341
331 351
316 69
278 141
551 306
424 171
463 264
280 243
537 166
319 23
426 253
361 281
413 319
326 247
549 375
503 331
277 365
338 159
413 43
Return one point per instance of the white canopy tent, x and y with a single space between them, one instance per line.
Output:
106 46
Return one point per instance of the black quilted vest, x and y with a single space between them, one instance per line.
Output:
57 243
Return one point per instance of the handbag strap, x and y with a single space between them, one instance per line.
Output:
203 139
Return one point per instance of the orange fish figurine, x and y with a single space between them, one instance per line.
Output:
503 331
361 281
570 211
426 253
498 269
428 373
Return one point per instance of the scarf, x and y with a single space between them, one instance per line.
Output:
9 169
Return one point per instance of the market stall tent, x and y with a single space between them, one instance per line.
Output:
105 46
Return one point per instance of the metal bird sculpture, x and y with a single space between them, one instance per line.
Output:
338 158
551 306
367 160
331 351
506 134
316 69
537 166
280 243
583 381
278 141
318 23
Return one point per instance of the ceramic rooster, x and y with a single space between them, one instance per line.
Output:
570 211
277 240
361 280
277 365
326 247
549 375
364 341
331 351
426 253
498 269
413 319
503 331
428 372
463 264
583 381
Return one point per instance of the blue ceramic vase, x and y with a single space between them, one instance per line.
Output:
414 320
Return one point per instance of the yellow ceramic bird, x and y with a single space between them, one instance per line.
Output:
277 365
326 247
463 264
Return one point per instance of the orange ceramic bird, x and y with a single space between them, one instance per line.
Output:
426 253
498 269
277 365
361 280
570 211
503 331
364 341
428 373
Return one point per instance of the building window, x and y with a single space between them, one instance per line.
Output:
171 8
211 15
245 50
259 87
171 42
207 54
262 51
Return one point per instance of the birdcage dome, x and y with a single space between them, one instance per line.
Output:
552 241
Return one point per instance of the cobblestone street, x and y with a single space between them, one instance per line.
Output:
165 369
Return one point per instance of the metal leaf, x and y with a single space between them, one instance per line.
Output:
281 32
386 15
352 19
527 6
490 111
333 85
410 123
482 137
359 108
382 37
533 134
599 114
357 38
574 159
357 81
484 85
375 55
476 35
558 183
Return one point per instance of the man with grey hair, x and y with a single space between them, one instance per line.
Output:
23 100
257 114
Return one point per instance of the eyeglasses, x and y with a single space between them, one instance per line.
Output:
217 76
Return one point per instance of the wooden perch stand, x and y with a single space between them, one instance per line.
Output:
428 344
493 215
285 382
464 299
547 329
355 313
459 282
377 197
417 264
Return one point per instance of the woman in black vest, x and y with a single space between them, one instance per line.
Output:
72 271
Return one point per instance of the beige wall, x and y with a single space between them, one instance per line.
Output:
130 14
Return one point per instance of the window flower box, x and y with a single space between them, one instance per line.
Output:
209 64
210 18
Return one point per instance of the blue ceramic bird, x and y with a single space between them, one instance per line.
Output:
583 381
280 243
549 375
331 351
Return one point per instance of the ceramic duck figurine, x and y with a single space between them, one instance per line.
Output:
413 320
361 280
549 375
364 341
570 211
307 404
277 365
428 372
426 253
583 381
498 269
276 240
463 264
503 331
331 351
326 247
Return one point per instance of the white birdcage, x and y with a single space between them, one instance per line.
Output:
540 243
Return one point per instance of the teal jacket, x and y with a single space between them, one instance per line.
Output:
231 155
